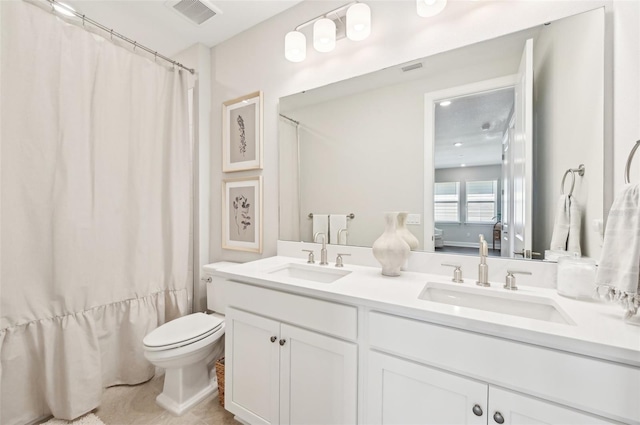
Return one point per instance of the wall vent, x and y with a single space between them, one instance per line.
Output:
411 67
196 11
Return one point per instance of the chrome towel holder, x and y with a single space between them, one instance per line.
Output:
351 216
572 171
628 166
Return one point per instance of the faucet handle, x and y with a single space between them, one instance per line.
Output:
510 280
311 259
457 272
339 260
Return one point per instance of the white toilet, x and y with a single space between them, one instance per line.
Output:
185 347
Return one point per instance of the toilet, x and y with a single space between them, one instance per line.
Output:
185 348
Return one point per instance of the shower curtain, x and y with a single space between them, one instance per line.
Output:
94 213
289 180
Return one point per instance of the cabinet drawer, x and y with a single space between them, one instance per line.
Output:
323 316
546 373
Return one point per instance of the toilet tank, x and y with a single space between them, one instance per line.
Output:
215 286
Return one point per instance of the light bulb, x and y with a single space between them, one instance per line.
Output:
358 22
428 8
295 46
324 35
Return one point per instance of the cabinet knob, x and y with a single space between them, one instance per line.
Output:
283 341
477 410
273 338
498 418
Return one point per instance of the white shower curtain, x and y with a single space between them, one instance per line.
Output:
95 213
289 180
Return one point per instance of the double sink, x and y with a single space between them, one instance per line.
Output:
501 301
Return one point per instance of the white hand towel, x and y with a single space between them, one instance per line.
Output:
618 275
575 221
561 224
321 225
337 222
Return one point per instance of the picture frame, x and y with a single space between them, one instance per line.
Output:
242 214
242 132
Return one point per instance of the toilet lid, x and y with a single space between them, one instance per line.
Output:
183 330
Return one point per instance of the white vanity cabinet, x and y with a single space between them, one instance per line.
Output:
423 373
404 392
278 373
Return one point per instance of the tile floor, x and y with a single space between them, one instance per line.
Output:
136 404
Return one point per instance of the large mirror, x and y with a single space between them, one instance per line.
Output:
472 141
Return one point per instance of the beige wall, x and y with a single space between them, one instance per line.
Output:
254 60
565 132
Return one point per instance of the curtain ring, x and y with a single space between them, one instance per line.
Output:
155 56
83 16
573 181
111 34
135 44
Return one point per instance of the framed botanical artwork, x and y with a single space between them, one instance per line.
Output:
242 133
242 214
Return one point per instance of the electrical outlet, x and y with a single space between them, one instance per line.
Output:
413 219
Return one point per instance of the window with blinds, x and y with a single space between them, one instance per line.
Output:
447 202
482 200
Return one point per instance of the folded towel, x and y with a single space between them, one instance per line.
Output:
566 227
561 224
618 275
575 221
321 225
337 222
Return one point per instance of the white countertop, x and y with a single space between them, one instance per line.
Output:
598 330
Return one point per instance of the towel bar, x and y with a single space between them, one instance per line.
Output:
351 216
572 171
628 166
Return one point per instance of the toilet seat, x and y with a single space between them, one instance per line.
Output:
182 331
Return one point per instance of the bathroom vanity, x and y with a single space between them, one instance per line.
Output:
320 344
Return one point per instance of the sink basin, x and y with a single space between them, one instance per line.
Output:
321 274
511 303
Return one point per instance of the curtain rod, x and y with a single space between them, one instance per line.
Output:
292 120
112 33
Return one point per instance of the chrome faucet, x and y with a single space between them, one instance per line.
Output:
343 230
483 268
323 251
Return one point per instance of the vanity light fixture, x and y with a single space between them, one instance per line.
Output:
358 22
352 20
429 8
324 35
295 46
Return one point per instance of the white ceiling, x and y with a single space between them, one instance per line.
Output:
462 122
153 24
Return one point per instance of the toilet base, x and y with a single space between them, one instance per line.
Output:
186 387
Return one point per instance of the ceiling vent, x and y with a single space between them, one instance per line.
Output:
411 67
196 11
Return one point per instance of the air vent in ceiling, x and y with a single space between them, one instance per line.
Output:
411 67
196 11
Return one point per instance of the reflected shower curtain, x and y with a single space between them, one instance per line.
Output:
95 213
289 180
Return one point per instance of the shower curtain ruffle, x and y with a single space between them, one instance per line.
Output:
79 354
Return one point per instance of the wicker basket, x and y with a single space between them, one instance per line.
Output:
220 377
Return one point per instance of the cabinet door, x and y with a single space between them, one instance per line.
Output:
251 367
512 408
403 392
318 379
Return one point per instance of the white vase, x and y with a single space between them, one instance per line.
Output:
404 233
390 249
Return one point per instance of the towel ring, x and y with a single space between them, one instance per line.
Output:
628 166
572 171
